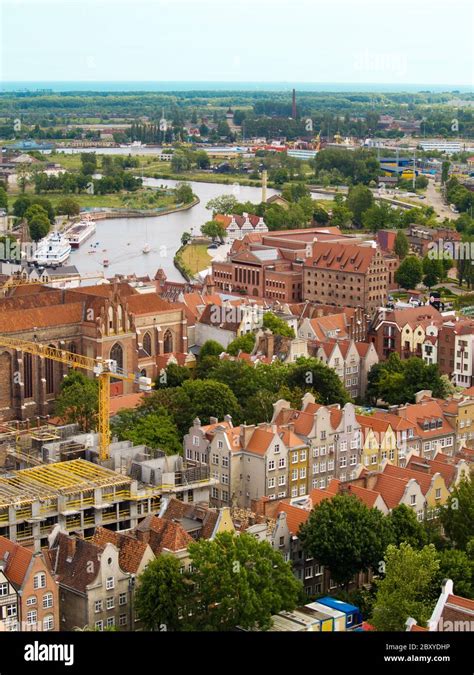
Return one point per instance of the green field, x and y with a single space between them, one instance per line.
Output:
196 258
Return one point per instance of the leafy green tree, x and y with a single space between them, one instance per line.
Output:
277 326
244 343
155 429
457 516
310 374
359 200
406 527
292 192
3 199
240 581
203 399
68 207
341 216
343 534
183 193
320 215
214 229
211 348
162 594
410 272
38 221
179 162
458 566
88 163
401 245
173 376
433 271
379 217
445 171
78 401
186 238
224 204
407 588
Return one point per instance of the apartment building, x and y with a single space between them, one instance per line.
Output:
351 361
403 330
345 274
237 227
433 428
29 598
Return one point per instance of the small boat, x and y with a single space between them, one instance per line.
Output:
105 262
146 248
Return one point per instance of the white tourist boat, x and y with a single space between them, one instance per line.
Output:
53 250
80 232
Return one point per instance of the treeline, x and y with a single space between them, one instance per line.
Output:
459 195
78 182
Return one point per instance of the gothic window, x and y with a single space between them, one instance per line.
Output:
147 343
116 354
28 374
49 374
168 342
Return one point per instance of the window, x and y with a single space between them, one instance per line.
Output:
438 493
122 599
323 450
109 583
281 480
225 479
48 622
315 468
413 500
294 491
303 472
322 483
294 457
98 606
215 459
47 600
110 621
110 603
220 445
271 464
294 474
31 617
147 343
39 580
322 467
225 462
281 463
4 588
353 460
330 465
374 459
281 495
315 452
303 456
308 572
30 601
99 625
277 449
11 611
271 482
343 446
343 462
123 620
195 440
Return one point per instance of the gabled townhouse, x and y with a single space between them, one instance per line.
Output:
197 442
407 439
402 330
225 321
395 491
29 598
353 322
237 226
351 361
199 520
432 486
94 590
298 461
331 433
459 411
452 469
432 427
385 437
451 613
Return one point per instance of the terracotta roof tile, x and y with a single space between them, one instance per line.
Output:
163 534
295 516
131 551
18 560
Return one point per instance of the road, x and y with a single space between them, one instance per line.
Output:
435 199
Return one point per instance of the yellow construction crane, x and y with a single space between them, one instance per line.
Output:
17 280
104 370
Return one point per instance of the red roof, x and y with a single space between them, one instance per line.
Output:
17 561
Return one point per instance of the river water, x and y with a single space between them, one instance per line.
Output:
121 240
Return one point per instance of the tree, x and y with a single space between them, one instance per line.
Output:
3 199
457 516
78 401
88 163
407 588
406 527
203 399
240 581
183 193
310 374
214 229
224 204
277 326
244 343
155 429
68 207
433 271
320 215
343 534
173 376
38 221
410 272
445 171
341 216
458 566
179 162
186 238
359 199
162 593
401 245
211 348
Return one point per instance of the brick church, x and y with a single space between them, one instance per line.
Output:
112 321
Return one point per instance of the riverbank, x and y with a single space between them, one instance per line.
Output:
141 213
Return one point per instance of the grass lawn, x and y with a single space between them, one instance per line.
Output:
143 199
68 162
196 258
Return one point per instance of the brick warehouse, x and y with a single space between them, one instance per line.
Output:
109 321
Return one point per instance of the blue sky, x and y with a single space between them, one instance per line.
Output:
405 41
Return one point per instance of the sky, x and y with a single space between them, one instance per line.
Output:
350 41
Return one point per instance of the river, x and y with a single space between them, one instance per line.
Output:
121 240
